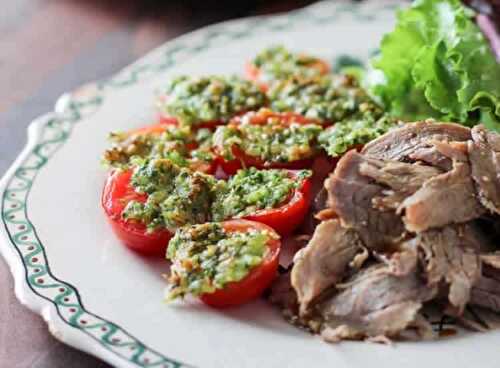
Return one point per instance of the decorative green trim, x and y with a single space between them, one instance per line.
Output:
55 132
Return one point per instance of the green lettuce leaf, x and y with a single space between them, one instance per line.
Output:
436 63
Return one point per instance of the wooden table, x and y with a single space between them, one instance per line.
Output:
48 47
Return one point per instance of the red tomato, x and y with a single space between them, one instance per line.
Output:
286 218
244 160
116 195
259 278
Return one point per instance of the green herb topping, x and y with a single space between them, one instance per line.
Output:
176 196
348 134
180 145
197 100
328 99
276 63
206 258
274 141
252 190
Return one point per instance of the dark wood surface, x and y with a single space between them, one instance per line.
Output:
48 47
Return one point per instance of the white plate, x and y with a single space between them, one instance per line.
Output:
96 295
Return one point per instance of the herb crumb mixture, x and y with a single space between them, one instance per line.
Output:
327 99
181 145
344 135
276 63
252 190
205 257
178 196
273 140
197 100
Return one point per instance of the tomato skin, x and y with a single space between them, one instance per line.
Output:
286 218
243 160
259 278
115 196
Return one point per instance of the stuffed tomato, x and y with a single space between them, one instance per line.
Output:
266 139
277 198
224 264
207 101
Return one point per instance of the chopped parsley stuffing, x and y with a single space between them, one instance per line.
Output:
175 144
176 196
252 190
347 134
274 141
205 257
276 63
328 99
197 100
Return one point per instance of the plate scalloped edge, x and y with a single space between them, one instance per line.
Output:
35 286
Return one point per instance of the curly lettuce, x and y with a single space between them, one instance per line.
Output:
437 63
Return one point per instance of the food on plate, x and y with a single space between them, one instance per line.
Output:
350 133
403 231
415 219
225 263
278 63
278 198
327 99
266 139
207 101
117 194
437 63
148 203
185 146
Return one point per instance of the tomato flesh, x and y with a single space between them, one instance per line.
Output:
116 195
258 279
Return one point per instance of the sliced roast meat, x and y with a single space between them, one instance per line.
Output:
486 291
401 179
484 155
445 199
324 261
375 303
448 258
415 139
351 195
399 176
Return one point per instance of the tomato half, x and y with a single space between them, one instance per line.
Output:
286 218
241 159
202 166
258 279
117 193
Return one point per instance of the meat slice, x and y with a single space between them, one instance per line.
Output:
486 291
376 303
415 140
445 199
484 155
351 196
401 178
324 261
450 257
